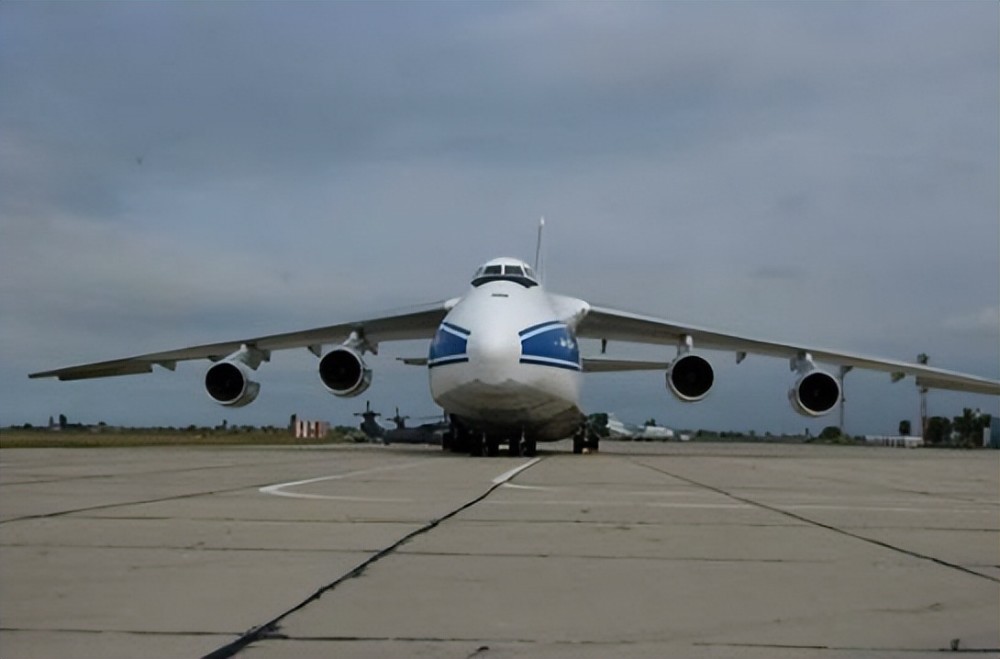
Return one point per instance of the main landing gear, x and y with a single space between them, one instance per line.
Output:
459 439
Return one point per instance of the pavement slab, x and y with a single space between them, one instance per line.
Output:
644 550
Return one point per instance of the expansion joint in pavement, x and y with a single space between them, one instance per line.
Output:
829 527
124 504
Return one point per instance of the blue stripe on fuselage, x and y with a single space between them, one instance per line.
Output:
551 323
449 346
550 344
456 330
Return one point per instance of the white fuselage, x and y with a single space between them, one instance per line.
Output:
506 361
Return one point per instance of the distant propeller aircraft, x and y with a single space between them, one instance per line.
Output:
425 433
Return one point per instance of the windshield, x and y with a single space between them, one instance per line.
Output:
520 274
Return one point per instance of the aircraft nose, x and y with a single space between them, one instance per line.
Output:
496 349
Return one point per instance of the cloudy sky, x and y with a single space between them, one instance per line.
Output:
180 173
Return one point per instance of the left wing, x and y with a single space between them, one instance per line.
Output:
608 365
416 324
612 325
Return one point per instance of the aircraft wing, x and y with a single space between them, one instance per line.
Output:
607 365
612 325
414 324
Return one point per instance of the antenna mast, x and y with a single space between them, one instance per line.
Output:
538 248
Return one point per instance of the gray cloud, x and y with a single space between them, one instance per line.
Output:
819 173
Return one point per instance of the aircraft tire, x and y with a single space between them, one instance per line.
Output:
460 443
578 443
529 448
460 439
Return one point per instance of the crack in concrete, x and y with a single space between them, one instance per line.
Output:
195 547
489 643
612 557
270 628
477 639
481 649
829 527
845 648
887 488
138 632
451 554
153 472
107 506
253 520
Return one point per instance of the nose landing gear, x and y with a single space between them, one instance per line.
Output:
521 447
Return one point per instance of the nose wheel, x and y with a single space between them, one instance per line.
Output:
522 447
459 439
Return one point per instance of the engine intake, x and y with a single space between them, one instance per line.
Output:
344 373
814 394
690 377
229 384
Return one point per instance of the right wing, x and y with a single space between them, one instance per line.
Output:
613 325
416 324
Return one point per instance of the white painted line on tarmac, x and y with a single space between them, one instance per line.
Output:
507 475
278 489
330 497
515 486
721 506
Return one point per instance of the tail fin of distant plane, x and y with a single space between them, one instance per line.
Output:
538 251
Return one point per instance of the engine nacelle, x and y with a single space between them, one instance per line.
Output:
229 384
690 377
815 393
344 373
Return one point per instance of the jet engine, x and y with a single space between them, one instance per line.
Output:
229 384
690 377
815 393
344 373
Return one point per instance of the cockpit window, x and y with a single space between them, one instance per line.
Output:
519 274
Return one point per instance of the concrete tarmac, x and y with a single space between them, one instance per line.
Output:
645 550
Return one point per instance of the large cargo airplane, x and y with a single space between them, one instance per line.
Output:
504 360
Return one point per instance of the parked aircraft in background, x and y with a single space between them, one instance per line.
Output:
504 360
618 429
369 425
425 433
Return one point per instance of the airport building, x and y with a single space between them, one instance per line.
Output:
311 429
892 440
991 433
